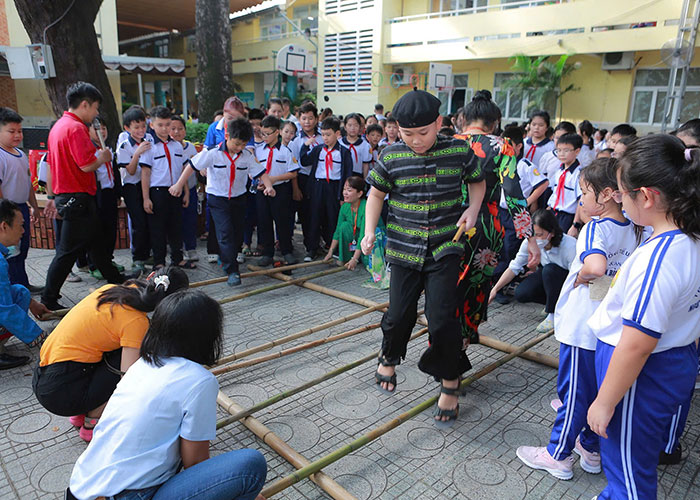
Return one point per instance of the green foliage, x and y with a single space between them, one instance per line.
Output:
302 97
540 79
196 132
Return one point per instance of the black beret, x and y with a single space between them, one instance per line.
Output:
416 108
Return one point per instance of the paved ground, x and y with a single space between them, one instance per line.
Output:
473 460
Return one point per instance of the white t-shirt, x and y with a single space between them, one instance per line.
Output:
562 255
656 291
616 242
530 178
136 443
14 176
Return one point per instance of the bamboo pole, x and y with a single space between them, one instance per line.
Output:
296 390
298 335
285 451
537 357
358 443
260 272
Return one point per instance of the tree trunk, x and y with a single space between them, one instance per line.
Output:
214 73
76 53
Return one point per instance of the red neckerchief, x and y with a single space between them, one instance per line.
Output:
232 176
329 163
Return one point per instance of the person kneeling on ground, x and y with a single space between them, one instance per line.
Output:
86 355
351 225
15 300
543 285
163 413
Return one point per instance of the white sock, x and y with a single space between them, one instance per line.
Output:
550 316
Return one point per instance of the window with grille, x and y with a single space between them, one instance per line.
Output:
513 102
340 6
347 64
649 94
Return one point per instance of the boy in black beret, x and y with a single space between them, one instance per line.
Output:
424 177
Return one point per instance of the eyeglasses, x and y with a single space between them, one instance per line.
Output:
617 195
264 134
563 151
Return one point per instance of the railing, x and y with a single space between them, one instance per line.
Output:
476 9
280 36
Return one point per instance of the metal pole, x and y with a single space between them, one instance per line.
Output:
183 81
139 78
669 101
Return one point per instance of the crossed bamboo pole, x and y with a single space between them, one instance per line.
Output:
358 443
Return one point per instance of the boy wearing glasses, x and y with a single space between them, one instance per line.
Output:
566 190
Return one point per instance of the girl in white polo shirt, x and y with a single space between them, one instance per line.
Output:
648 324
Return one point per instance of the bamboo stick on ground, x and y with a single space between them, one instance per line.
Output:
358 443
259 272
296 390
298 335
285 451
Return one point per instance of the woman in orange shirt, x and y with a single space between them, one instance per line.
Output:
85 356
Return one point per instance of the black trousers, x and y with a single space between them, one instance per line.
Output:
443 358
107 211
324 206
80 230
275 209
165 224
543 286
565 220
302 207
140 234
511 243
229 221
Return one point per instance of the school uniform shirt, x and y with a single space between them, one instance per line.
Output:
530 179
42 170
339 165
15 180
188 152
124 136
425 198
277 160
165 161
329 170
359 152
562 255
125 152
534 151
549 165
297 144
384 142
656 291
586 156
565 189
105 175
613 240
227 174
136 443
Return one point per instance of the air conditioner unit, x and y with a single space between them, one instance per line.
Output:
617 61
403 75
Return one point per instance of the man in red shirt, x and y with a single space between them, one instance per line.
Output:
73 160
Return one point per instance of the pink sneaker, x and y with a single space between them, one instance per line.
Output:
556 404
77 420
590 461
539 458
86 432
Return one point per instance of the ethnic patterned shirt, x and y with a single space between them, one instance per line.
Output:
425 198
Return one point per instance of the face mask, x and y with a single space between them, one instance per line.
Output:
12 251
542 243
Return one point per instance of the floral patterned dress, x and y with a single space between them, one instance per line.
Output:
484 242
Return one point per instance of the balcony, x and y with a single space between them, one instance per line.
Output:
258 54
498 29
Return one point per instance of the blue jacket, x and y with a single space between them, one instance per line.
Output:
14 304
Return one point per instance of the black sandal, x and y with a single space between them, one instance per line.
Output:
187 265
451 414
389 379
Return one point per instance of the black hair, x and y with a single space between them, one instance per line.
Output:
353 116
659 161
145 294
285 100
274 100
567 127
308 107
624 130
218 112
601 174
691 128
8 115
586 127
482 108
8 210
271 121
161 112
82 91
378 107
447 131
627 140
603 132
187 324
514 133
391 119
331 123
180 119
610 151
571 139
548 221
239 128
375 127
256 114
289 122
101 120
132 115
357 183
542 114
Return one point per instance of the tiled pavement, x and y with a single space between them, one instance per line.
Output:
473 460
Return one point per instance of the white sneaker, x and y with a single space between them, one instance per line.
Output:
212 258
240 258
73 278
546 326
556 404
539 458
590 461
191 255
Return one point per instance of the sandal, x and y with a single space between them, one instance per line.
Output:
451 413
86 432
186 264
39 340
379 378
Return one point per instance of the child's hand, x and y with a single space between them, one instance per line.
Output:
148 206
297 195
573 232
367 244
32 214
270 192
310 141
186 199
105 155
50 210
468 218
492 295
599 416
580 281
175 190
328 257
351 264
142 148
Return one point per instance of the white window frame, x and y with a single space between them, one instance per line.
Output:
506 111
675 114
446 96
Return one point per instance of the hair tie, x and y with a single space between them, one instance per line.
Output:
162 280
688 154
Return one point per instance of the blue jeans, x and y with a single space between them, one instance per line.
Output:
189 222
17 271
236 475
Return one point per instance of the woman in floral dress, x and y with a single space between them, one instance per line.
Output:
484 242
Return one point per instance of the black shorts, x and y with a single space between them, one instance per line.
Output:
70 388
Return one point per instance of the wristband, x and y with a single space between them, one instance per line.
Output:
51 196
578 225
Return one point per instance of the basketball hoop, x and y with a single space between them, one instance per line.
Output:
293 60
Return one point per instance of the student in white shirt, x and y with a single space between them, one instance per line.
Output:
604 245
538 144
163 415
648 324
178 130
587 154
565 185
359 148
